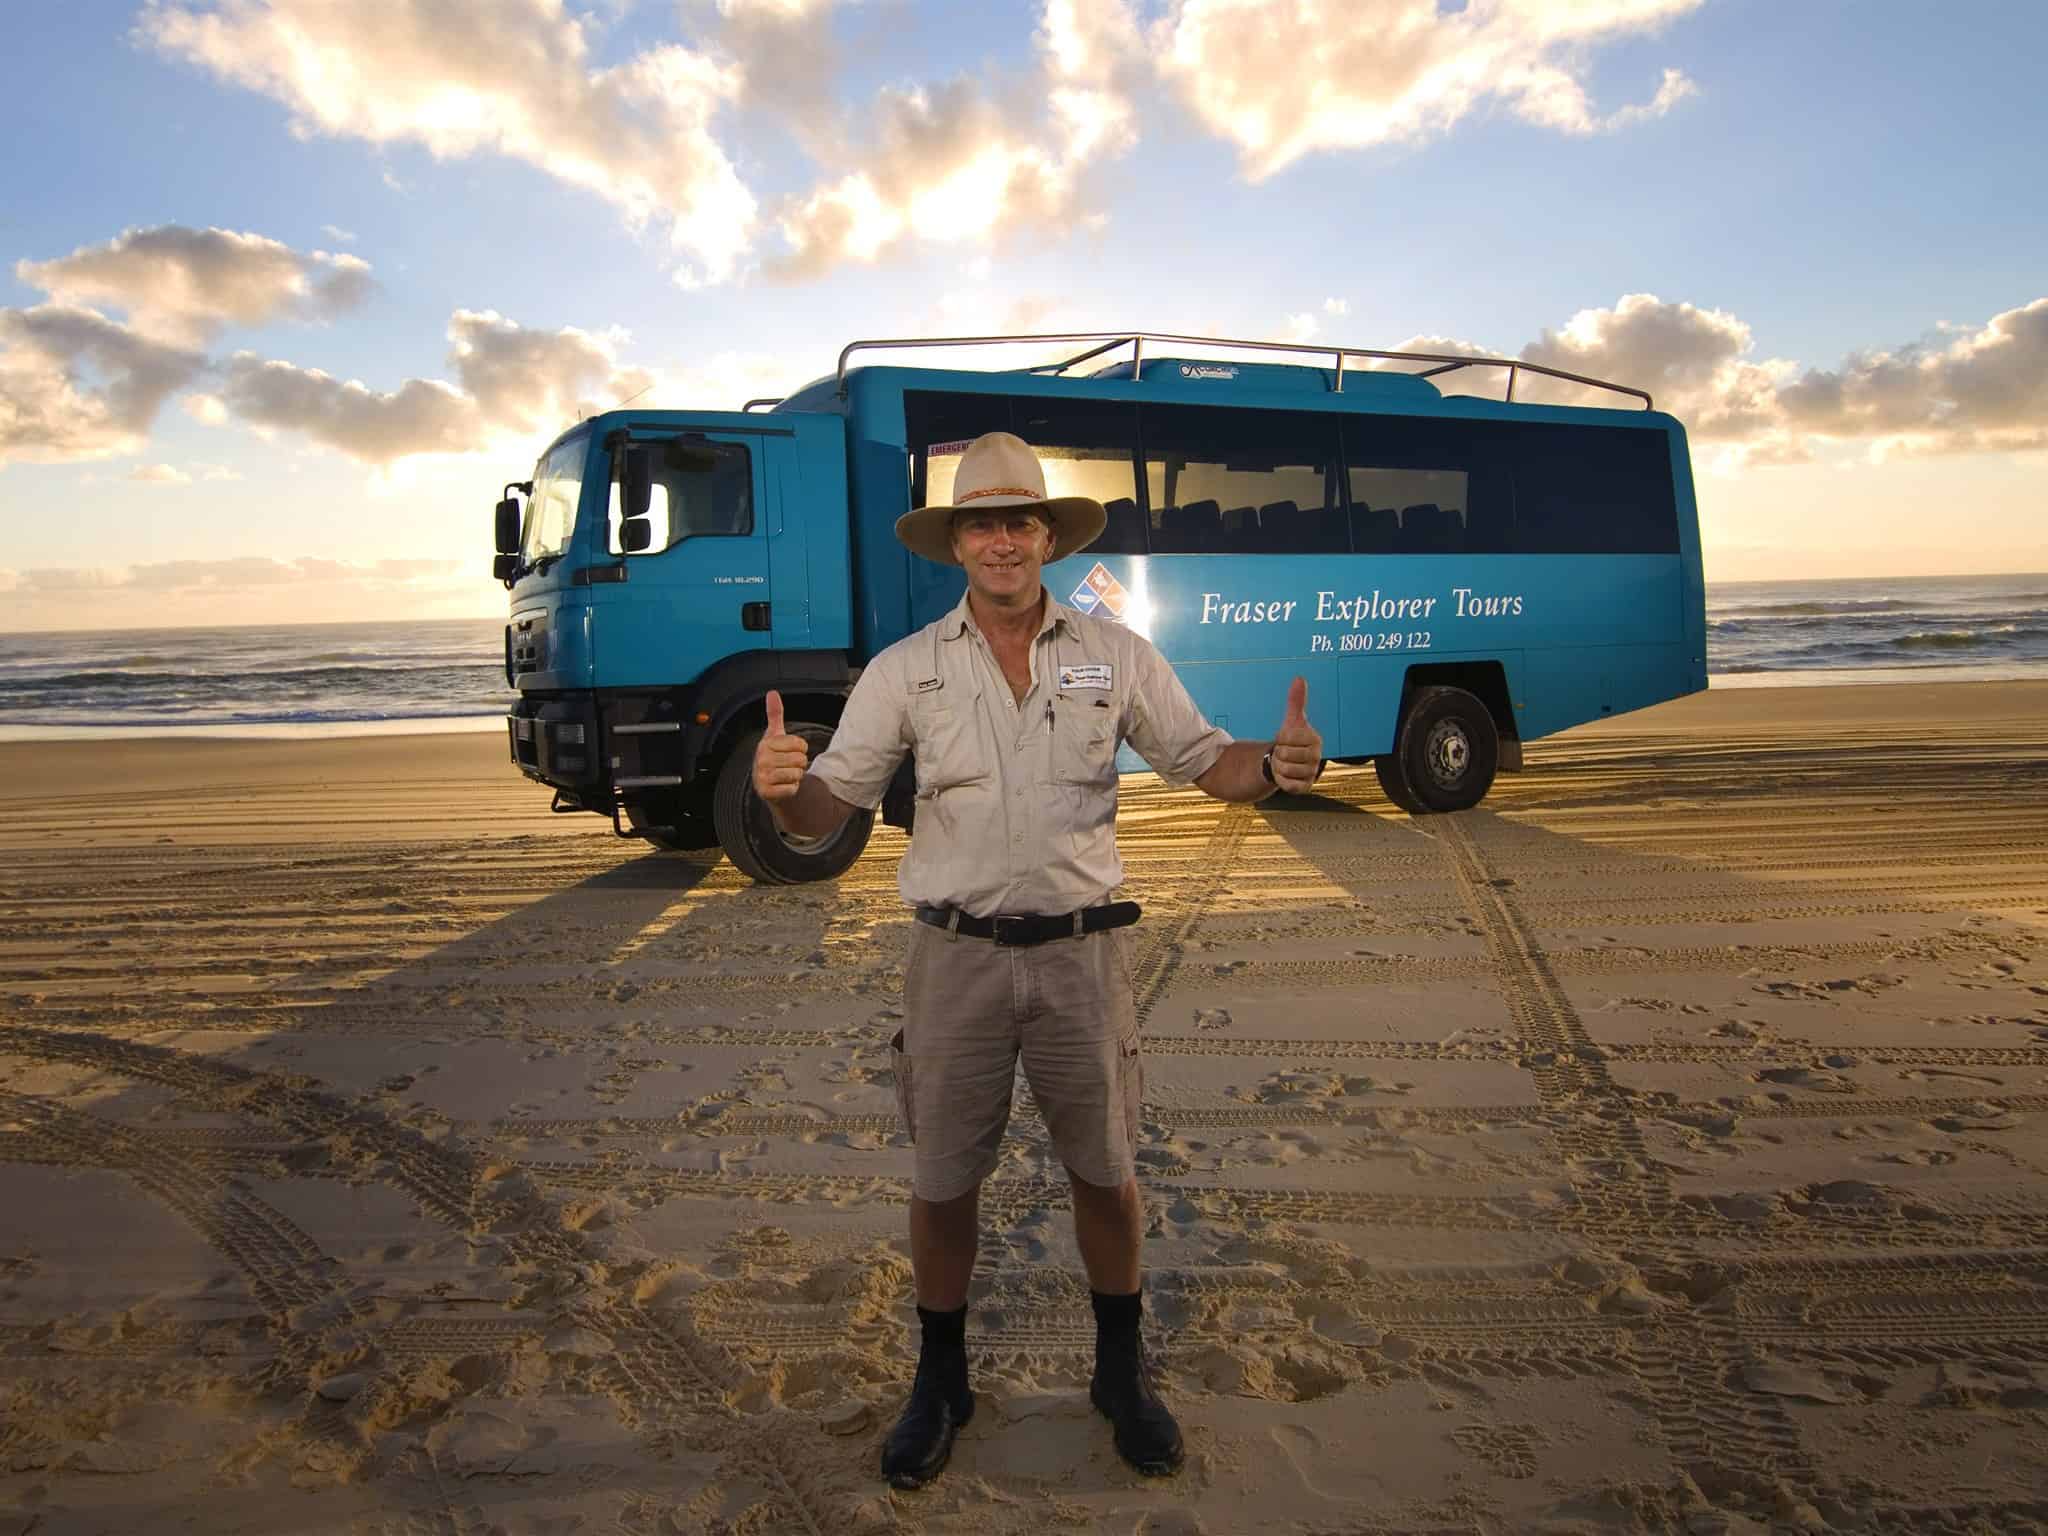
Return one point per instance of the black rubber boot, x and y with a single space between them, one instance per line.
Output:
1147 1435
940 1403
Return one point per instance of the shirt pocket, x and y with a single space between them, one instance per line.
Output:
948 751
1083 742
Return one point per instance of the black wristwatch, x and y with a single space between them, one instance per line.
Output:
1266 767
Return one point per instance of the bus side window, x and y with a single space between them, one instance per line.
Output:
1243 482
1419 486
1088 448
1594 491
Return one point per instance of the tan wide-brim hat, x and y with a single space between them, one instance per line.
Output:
1000 470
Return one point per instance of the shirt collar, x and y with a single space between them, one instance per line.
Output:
960 621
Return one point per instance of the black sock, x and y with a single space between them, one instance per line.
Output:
943 1330
944 1353
1117 1317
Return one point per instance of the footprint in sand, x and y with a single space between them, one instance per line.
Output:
1816 1079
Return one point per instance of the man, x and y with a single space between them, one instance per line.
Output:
1013 707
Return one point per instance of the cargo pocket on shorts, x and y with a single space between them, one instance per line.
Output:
1123 950
906 1101
1130 1087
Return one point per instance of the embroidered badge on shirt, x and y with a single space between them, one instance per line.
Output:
1093 675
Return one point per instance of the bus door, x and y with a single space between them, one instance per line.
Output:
693 570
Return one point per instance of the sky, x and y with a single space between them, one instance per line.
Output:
290 288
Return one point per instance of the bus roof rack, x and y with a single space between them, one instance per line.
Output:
763 401
1108 341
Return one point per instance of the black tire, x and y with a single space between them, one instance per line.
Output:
1445 753
664 820
749 836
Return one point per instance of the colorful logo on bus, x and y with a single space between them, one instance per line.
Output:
1100 594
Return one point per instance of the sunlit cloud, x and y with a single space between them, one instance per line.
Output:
508 381
1281 79
514 79
77 385
185 285
1970 390
971 160
1986 389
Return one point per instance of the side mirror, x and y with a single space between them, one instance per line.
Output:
636 483
505 567
508 526
636 534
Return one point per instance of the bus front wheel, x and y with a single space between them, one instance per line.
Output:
1445 753
758 848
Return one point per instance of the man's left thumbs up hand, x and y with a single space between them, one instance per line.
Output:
1297 745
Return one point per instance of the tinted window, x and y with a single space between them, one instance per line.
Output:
1427 487
699 488
1221 481
1086 448
1593 491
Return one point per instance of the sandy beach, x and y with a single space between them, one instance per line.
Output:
1662 1146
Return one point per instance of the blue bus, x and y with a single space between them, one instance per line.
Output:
1453 575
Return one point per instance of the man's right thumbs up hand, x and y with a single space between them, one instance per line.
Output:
780 759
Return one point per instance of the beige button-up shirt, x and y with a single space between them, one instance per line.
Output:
1016 802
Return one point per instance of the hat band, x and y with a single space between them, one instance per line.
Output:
1001 490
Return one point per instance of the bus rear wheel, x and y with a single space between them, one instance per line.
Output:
1445 753
758 848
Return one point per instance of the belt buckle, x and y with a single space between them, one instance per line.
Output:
1008 928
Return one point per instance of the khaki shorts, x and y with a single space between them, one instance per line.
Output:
973 1009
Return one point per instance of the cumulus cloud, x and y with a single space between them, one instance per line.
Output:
785 55
538 380
76 385
1694 361
184 285
510 379
1284 78
514 79
159 474
420 416
207 410
969 159
1986 389
1982 389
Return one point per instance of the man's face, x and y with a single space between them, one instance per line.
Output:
1002 551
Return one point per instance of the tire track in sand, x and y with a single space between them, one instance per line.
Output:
1688 1367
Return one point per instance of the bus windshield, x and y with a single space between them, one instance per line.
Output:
551 511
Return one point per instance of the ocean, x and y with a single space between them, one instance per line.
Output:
448 674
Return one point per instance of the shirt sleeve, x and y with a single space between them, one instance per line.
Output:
871 739
1169 732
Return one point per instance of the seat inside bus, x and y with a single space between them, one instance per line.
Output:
1428 529
1196 528
1374 530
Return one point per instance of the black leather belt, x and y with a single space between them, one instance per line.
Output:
1014 928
